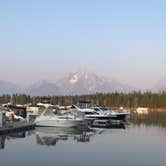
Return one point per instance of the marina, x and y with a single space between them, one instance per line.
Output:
67 136
82 83
50 116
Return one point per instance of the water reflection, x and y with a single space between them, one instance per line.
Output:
50 136
154 118
4 138
2 142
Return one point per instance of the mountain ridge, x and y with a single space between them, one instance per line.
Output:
76 83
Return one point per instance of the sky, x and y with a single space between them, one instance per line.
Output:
47 39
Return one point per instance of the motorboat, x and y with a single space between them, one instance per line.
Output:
92 113
58 119
114 114
101 113
95 117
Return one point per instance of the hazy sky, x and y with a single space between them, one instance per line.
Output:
46 39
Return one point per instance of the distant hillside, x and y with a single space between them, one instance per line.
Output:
8 87
43 88
80 82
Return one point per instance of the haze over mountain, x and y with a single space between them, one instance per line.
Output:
42 88
8 87
85 82
160 85
77 83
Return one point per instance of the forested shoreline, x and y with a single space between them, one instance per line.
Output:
127 100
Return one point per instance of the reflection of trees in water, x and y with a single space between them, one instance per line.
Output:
153 118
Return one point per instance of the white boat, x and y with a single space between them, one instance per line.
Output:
101 113
114 114
49 118
92 113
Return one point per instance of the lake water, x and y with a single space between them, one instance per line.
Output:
124 145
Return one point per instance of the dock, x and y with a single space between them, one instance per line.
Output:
16 127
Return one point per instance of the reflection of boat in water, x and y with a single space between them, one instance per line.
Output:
51 135
116 126
103 130
58 119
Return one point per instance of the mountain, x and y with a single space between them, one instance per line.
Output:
43 88
8 87
85 82
77 83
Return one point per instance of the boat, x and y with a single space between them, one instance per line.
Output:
114 114
91 113
57 119
101 113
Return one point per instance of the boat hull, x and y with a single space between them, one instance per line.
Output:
107 117
119 117
58 123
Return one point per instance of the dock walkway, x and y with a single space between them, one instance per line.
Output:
16 127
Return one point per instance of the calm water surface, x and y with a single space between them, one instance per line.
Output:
124 145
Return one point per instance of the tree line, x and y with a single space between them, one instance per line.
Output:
127 100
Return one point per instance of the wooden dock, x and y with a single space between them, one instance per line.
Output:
16 127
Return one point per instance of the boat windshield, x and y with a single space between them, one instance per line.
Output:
46 112
97 109
103 108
